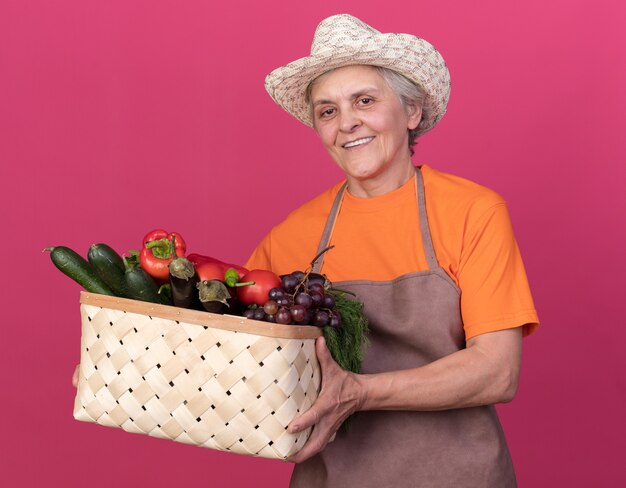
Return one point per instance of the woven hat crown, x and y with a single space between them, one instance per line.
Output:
343 40
341 31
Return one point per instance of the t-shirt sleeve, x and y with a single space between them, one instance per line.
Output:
495 294
261 257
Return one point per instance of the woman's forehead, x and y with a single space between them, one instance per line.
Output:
347 81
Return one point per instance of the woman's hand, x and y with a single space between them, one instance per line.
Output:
339 397
75 376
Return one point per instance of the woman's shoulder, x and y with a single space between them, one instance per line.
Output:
292 243
304 225
315 210
294 239
458 194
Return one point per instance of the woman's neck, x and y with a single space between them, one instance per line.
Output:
385 182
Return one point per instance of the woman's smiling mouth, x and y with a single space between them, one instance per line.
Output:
358 142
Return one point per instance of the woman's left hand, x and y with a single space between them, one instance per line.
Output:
75 376
339 397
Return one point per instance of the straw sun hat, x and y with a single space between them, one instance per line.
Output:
343 40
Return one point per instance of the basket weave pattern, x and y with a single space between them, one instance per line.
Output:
200 385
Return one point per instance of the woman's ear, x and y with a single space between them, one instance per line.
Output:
415 116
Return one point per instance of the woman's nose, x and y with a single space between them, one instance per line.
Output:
349 120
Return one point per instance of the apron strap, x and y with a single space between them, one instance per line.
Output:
328 229
429 250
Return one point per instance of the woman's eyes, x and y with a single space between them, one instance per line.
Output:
328 112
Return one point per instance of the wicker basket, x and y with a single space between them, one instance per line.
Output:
215 381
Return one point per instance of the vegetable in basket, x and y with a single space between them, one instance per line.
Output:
258 291
214 296
215 266
158 250
217 288
109 266
183 281
210 271
142 286
76 267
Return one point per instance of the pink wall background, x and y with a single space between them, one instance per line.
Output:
116 117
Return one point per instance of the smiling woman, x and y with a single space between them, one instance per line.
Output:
410 94
365 127
433 258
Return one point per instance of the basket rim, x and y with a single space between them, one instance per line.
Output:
197 317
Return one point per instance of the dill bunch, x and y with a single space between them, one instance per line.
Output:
347 344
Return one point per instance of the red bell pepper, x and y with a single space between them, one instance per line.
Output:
157 252
199 259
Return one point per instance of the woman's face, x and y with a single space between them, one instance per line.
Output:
364 126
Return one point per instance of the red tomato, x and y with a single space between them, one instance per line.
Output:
210 271
258 293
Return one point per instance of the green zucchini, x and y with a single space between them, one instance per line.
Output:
142 287
109 266
77 268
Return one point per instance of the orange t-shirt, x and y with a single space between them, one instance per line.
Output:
379 239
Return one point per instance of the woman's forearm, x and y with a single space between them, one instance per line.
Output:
486 372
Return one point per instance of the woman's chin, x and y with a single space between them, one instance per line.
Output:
361 171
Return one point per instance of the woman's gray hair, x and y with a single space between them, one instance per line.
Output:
410 94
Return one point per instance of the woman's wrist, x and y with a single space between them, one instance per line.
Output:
364 396
353 394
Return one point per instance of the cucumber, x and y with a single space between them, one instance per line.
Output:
109 266
141 286
77 268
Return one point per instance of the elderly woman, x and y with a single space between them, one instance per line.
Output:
431 255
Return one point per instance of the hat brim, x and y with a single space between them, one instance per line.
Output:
423 65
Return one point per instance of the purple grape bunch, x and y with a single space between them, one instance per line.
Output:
302 299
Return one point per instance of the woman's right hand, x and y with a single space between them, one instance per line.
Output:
339 397
75 376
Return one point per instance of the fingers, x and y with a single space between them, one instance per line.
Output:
322 433
304 421
75 376
328 411
310 449
323 354
311 416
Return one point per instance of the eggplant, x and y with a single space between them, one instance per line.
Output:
183 280
214 296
